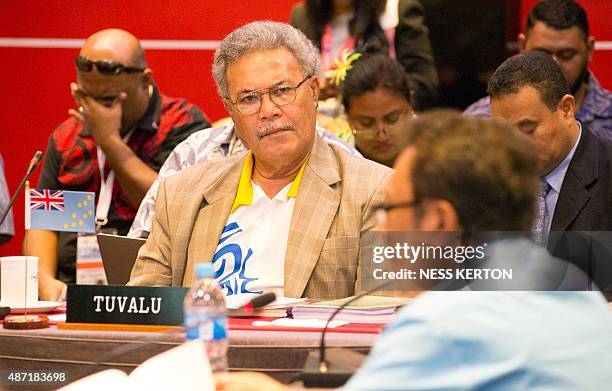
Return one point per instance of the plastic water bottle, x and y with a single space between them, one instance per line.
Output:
206 316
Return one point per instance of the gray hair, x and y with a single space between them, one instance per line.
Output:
259 36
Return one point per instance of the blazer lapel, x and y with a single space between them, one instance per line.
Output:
582 171
215 207
315 208
572 198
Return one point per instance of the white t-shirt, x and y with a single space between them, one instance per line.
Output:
250 257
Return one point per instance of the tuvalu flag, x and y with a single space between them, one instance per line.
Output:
60 210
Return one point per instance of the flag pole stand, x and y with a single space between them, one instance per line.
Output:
25 321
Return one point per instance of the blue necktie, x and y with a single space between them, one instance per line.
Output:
538 228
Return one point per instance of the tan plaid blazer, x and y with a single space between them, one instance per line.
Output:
333 208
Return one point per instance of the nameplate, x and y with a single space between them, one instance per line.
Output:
118 304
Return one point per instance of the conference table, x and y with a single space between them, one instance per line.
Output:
278 353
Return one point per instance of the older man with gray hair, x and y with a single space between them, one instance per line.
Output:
286 215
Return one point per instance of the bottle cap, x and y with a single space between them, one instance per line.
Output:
203 270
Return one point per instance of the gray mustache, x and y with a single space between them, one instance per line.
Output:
265 130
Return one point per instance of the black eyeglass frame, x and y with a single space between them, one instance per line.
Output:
404 204
105 67
266 91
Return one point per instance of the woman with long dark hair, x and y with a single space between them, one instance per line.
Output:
377 100
354 25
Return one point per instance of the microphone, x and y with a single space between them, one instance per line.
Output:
250 308
319 370
260 301
33 164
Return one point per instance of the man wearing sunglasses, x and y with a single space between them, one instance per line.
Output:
287 215
116 139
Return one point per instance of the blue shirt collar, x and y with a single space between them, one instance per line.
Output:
555 177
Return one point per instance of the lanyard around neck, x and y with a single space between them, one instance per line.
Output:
106 186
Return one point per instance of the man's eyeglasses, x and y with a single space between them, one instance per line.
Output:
388 207
281 95
393 123
106 67
380 210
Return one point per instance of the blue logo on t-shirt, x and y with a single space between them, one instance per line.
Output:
230 265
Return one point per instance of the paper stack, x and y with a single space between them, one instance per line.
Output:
367 309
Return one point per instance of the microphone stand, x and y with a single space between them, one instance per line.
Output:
24 321
318 371
33 164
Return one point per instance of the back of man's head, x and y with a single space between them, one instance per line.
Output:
485 168
558 14
260 36
534 69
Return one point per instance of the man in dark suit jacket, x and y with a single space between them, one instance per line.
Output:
586 195
581 225
531 91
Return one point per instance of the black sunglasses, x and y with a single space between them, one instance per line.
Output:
106 67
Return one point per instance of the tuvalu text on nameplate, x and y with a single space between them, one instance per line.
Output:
118 304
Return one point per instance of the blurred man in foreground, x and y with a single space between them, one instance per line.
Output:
113 144
465 175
